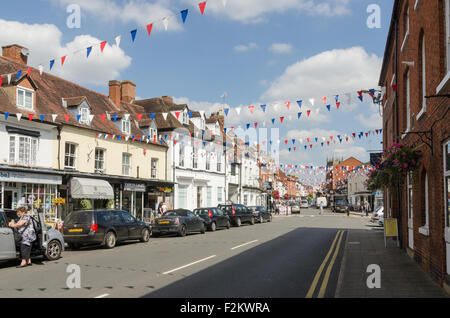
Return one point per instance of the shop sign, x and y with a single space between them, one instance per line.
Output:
164 189
23 177
134 187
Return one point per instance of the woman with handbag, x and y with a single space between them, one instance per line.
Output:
27 235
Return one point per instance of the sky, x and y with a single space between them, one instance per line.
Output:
256 51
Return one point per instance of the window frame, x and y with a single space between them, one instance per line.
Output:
423 78
84 110
446 174
74 155
30 152
128 166
154 169
126 126
25 90
98 170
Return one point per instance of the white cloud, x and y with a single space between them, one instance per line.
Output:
245 47
208 107
137 11
281 48
373 121
256 11
45 43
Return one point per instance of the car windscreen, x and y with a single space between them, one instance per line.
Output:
175 213
341 202
202 211
79 217
226 208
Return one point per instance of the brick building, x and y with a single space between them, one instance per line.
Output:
416 75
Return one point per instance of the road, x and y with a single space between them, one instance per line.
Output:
291 257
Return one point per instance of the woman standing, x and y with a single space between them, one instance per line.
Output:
27 234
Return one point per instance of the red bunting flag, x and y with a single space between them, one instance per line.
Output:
28 72
251 108
288 104
63 59
256 124
149 28
331 137
328 143
30 117
139 117
1 80
295 148
281 119
308 112
338 104
395 87
67 118
310 146
307 139
102 117
174 142
177 114
102 45
286 141
324 100
202 6
377 131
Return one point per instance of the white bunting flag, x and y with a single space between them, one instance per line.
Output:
41 69
166 22
91 118
9 78
126 116
19 116
238 110
224 2
164 115
312 101
54 117
118 40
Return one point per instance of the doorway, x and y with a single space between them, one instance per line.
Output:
199 197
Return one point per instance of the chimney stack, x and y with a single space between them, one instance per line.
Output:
127 91
167 99
16 53
114 92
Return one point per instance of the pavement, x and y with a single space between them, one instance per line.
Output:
400 276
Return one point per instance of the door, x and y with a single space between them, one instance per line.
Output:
199 197
131 225
10 199
194 223
7 243
220 217
410 213
119 225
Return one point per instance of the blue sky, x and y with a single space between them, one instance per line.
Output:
258 51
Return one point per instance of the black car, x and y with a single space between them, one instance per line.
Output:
178 221
214 218
104 227
261 214
238 213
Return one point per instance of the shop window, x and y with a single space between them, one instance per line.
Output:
70 156
99 160
22 150
181 156
154 168
126 164
219 195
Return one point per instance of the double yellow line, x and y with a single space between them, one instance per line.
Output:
323 287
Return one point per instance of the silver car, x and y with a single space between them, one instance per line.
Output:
49 242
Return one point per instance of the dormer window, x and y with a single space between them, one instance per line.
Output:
153 133
185 118
84 115
126 126
25 98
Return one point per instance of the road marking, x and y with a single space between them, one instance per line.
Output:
233 248
319 271
190 264
323 287
102 296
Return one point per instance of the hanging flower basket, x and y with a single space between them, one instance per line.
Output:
394 166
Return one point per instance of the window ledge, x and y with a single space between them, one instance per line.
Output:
424 230
447 235
405 40
405 134
444 83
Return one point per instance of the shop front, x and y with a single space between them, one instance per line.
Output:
133 198
36 191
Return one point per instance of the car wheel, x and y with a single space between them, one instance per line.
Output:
145 235
53 251
182 231
270 218
238 222
261 219
110 240
228 225
213 226
203 228
252 221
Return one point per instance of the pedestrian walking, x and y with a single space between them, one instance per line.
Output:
367 208
321 208
26 235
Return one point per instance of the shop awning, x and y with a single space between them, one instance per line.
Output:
83 188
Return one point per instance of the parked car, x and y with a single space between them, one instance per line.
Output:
377 215
261 214
381 219
49 242
304 204
238 213
340 204
178 221
103 227
214 218
295 208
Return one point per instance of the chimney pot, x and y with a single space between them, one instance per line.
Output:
114 92
14 52
167 99
127 91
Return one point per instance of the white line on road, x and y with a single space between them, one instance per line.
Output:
202 260
102 296
233 248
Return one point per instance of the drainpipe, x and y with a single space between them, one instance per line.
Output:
59 129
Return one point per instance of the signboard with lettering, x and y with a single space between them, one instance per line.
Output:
134 187
24 177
